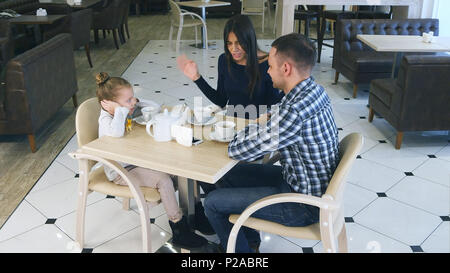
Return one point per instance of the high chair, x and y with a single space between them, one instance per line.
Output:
95 180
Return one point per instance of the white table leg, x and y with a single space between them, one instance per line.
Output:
203 30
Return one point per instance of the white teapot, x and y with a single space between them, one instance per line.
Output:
162 124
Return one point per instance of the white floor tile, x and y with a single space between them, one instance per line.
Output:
271 243
387 155
104 220
373 176
131 242
43 239
409 225
364 240
356 198
422 194
439 241
55 174
64 194
24 218
435 170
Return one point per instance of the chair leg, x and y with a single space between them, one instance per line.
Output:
115 38
75 100
320 41
121 34
307 21
398 141
81 203
126 29
126 203
275 18
195 35
355 90
180 29
104 34
96 36
32 141
206 35
88 54
342 241
170 36
371 114
336 77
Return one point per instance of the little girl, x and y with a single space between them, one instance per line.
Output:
118 102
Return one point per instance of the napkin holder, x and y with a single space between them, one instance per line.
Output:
41 12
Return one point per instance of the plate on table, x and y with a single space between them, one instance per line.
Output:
193 121
140 120
214 137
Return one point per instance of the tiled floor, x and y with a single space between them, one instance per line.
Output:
395 200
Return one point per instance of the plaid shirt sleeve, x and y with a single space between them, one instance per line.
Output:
257 140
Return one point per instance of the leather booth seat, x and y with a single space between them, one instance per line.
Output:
361 64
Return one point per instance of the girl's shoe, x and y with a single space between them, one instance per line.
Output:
183 237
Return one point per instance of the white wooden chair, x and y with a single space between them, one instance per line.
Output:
331 227
255 7
182 18
86 123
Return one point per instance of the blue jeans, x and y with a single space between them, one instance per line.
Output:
243 185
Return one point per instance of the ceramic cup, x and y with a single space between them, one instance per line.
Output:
224 129
148 112
202 114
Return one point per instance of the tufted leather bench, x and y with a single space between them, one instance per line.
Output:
361 64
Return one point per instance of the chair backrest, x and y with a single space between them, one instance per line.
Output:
86 122
80 27
349 148
252 6
174 13
425 85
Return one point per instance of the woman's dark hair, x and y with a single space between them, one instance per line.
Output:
242 27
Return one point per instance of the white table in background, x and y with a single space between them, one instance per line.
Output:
203 5
401 44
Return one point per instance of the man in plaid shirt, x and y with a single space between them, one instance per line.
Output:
301 128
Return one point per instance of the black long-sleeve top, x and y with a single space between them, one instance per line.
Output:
232 86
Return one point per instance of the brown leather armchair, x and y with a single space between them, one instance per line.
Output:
361 64
38 83
418 100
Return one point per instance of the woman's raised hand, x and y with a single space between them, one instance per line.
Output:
189 67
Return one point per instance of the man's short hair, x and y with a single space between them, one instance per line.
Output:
298 48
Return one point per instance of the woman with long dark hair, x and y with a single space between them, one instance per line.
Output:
242 77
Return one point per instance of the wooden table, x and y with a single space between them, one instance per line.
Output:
401 44
203 5
206 162
285 14
36 21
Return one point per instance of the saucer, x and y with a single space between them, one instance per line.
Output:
193 121
140 120
213 136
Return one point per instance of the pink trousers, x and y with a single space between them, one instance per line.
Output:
160 181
